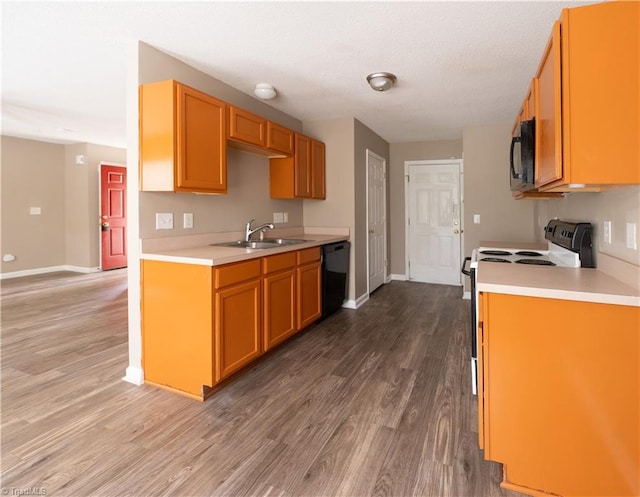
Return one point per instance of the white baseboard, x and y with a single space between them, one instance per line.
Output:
134 375
50 269
466 296
399 277
354 304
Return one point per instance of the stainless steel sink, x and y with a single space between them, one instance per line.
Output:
260 244
251 245
283 241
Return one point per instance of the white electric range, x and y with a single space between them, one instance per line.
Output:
568 245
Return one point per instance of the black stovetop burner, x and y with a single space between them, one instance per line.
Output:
535 262
495 252
494 259
528 253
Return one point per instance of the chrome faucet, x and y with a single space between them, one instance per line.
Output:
248 231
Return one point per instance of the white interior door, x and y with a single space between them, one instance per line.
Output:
433 224
376 219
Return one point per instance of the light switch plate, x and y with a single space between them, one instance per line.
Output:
606 232
632 236
278 217
476 219
187 220
164 220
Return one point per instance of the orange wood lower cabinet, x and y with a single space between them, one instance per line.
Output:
279 299
202 324
308 290
238 327
562 395
177 315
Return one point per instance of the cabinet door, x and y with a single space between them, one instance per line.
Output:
237 327
318 188
302 172
548 114
246 127
279 307
309 294
201 141
280 138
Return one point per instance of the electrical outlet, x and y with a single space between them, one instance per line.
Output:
606 232
285 217
476 219
164 220
631 236
35 211
278 217
187 220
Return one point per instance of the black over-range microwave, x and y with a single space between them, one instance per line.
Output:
522 157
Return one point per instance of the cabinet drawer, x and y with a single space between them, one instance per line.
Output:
246 127
279 138
278 262
235 273
308 255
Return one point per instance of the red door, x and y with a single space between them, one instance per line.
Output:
113 221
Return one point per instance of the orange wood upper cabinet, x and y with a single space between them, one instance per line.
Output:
177 334
280 139
238 316
279 298
308 277
182 139
588 107
318 181
246 127
294 177
562 394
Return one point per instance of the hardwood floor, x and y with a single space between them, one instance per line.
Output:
373 402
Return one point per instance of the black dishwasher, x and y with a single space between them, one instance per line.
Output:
335 272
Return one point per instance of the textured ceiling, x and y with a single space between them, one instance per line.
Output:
458 64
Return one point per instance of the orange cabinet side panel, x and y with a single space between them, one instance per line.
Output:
600 93
279 294
280 138
246 127
563 395
480 352
177 325
157 136
308 294
238 327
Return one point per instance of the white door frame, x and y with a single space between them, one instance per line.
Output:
443 162
369 153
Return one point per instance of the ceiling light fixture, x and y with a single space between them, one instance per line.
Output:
381 81
265 91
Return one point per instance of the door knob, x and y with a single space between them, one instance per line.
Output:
105 226
456 232
371 231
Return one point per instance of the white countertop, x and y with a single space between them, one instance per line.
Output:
581 284
207 255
